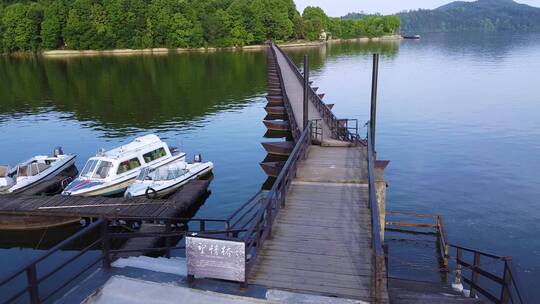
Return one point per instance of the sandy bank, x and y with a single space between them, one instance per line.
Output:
165 51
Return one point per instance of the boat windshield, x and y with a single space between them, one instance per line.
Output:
89 168
144 173
161 174
103 169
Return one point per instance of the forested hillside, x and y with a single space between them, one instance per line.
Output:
482 15
113 24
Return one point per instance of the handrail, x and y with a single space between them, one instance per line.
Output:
30 269
379 267
509 289
49 252
507 282
261 227
32 289
331 120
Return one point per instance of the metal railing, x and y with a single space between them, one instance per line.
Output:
335 124
435 226
34 280
261 227
490 276
378 258
101 244
507 285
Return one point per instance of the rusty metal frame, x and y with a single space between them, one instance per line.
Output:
378 257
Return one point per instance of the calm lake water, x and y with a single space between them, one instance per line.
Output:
459 118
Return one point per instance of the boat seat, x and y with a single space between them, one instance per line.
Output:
43 167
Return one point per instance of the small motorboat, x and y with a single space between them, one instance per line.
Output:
34 171
414 37
162 181
111 172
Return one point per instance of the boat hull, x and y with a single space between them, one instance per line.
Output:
159 190
115 187
54 171
283 148
277 125
272 168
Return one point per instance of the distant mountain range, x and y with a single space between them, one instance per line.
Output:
459 16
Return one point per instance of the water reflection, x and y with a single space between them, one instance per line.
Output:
140 92
319 56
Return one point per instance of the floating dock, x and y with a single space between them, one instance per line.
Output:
95 207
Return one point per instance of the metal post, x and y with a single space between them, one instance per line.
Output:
31 276
306 91
507 281
458 267
105 246
374 85
202 226
168 239
474 277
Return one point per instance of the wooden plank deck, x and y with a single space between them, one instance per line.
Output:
295 92
94 207
321 240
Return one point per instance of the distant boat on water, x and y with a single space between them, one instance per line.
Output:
410 36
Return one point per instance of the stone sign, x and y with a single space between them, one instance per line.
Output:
217 259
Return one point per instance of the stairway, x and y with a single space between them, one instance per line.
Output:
414 292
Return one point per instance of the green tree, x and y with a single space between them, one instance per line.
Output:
21 27
80 32
276 21
54 21
315 21
298 25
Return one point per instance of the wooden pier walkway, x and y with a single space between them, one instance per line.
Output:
321 240
295 93
95 207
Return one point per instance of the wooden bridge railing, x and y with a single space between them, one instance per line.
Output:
378 258
339 127
261 227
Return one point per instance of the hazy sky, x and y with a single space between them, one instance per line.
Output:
336 8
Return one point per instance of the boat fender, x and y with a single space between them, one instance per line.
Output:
150 193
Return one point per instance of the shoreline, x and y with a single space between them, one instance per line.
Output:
166 51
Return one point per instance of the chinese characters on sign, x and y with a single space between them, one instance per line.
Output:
217 259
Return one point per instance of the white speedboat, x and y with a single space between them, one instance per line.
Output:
111 172
162 181
33 171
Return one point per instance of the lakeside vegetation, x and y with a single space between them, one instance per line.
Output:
137 24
